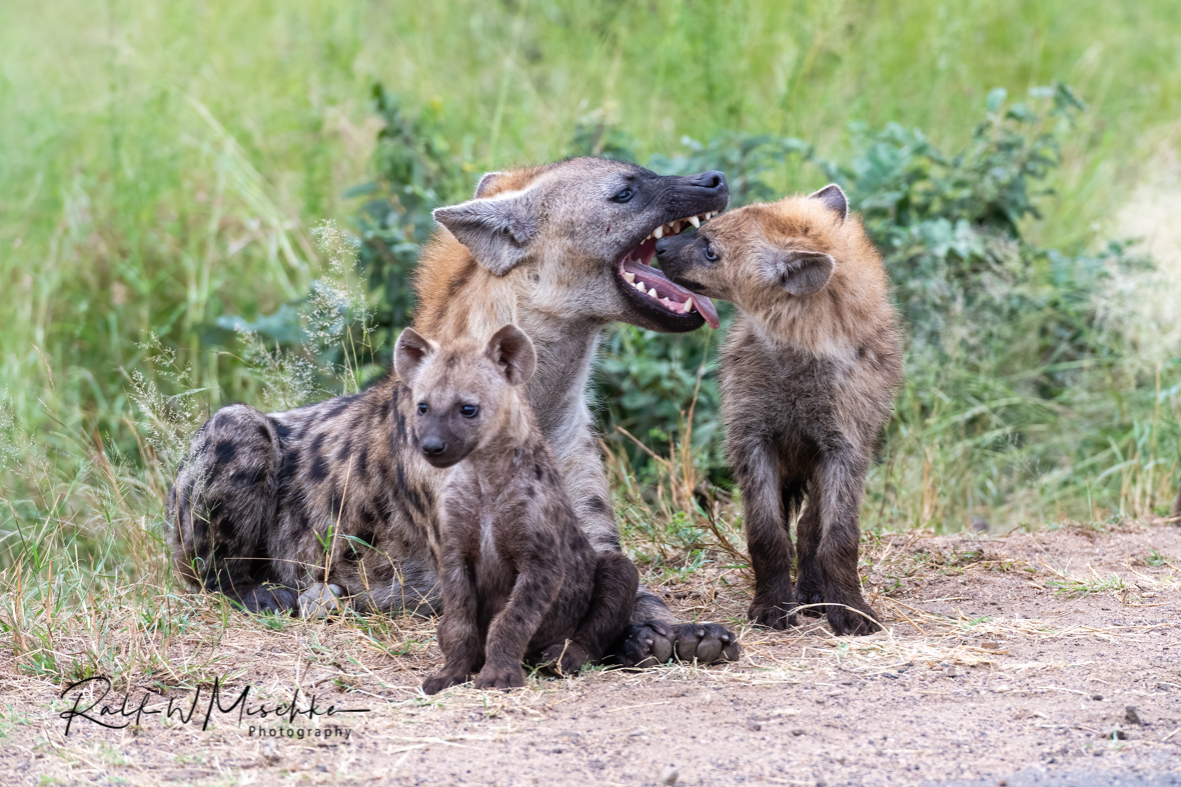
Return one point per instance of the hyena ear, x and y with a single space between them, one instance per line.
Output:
497 230
834 199
410 354
803 272
484 187
512 351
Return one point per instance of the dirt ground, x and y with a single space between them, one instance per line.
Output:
1002 654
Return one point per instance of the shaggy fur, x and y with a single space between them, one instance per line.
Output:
808 372
333 499
520 579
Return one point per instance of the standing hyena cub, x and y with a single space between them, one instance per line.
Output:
808 373
520 578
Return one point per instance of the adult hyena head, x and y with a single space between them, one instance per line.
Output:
586 229
466 394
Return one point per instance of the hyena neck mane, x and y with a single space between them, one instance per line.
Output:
449 277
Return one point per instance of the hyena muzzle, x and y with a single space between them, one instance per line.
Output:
334 499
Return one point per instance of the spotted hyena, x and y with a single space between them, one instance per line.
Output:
269 506
808 372
520 580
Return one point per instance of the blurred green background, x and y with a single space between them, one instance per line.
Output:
163 165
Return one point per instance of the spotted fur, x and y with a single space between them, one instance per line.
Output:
809 373
520 580
336 494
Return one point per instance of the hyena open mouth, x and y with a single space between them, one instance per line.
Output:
650 288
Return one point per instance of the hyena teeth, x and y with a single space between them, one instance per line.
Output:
658 233
696 222
688 306
629 277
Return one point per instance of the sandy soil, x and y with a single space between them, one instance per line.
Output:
1002 655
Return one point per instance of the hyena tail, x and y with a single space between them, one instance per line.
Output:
224 498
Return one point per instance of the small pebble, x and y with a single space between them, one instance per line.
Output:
753 725
668 775
1131 716
1117 735
797 731
990 645
950 671
1096 697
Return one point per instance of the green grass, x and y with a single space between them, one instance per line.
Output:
164 165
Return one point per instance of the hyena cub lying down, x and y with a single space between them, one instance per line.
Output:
520 578
808 373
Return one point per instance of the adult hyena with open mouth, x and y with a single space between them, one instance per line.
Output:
332 499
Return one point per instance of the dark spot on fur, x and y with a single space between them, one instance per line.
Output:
251 477
338 406
456 285
345 450
598 505
302 523
363 461
225 451
227 532
319 468
283 430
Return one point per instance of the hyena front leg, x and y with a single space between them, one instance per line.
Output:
222 503
513 627
1177 510
653 635
836 494
768 538
459 630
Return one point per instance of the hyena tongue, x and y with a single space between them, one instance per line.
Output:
707 309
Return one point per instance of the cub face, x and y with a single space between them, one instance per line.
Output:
463 394
761 254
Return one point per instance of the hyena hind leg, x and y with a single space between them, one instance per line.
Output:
614 595
223 501
837 498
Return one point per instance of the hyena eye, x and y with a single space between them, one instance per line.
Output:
623 196
710 254
422 408
469 410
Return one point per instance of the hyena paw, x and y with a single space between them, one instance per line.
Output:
655 643
771 615
645 645
564 658
444 680
856 620
705 643
500 676
808 594
320 601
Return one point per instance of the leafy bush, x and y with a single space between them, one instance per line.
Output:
1003 336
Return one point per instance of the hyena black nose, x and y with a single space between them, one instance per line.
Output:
433 446
662 246
710 181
